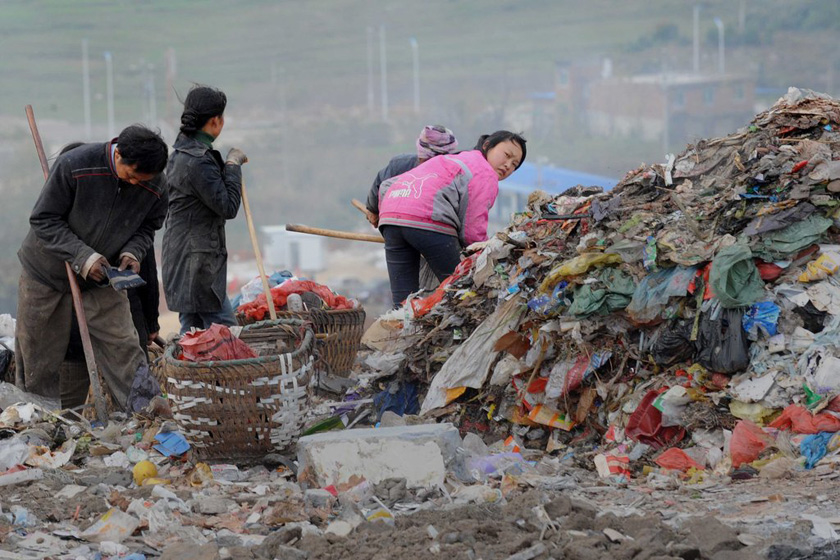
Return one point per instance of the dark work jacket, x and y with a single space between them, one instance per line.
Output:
84 208
204 192
397 166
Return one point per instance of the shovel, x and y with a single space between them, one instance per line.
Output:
98 399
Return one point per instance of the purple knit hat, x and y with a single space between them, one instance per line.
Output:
435 140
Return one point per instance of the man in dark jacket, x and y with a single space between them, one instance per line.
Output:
100 207
204 192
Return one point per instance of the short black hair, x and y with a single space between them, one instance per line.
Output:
487 142
202 104
143 149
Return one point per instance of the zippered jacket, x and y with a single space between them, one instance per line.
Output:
83 209
397 166
204 192
450 194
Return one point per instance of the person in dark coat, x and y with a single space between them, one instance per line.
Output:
204 192
100 207
144 302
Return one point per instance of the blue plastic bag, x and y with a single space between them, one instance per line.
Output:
763 315
814 448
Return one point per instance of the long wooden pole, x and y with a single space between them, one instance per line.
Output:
98 399
334 233
361 208
271 311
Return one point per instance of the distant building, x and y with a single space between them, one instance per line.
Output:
514 191
675 108
298 252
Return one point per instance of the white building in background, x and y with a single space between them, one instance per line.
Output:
300 253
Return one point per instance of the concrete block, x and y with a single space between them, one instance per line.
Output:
318 498
214 505
419 454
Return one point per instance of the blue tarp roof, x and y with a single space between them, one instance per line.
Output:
553 180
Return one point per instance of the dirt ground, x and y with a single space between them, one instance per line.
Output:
742 520
574 515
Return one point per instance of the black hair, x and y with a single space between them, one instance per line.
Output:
487 142
143 149
202 104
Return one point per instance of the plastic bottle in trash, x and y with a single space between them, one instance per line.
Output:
294 303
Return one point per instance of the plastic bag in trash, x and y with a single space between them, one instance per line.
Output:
747 443
735 278
215 343
777 245
827 264
722 345
799 419
673 344
677 459
654 291
612 292
762 315
399 398
548 304
645 425
814 448
144 388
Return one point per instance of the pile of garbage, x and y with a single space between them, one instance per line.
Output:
685 320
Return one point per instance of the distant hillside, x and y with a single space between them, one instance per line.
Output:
296 74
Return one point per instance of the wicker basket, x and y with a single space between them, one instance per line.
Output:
243 408
340 337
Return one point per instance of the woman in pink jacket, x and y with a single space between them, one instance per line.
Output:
442 205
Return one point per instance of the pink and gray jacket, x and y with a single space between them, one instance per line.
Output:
449 194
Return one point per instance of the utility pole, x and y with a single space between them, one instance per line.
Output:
696 38
109 92
415 56
151 94
284 127
721 55
171 72
86 88
383 72
370 96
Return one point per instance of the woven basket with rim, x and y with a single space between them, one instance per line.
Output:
341 333
243 408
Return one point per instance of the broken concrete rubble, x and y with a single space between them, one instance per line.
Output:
417 453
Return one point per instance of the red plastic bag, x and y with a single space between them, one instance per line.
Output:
258 308
747 443
797 419
214 344
677 459
768 271
421 306
645 425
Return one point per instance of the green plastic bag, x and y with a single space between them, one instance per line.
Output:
612 292
783 243
734 277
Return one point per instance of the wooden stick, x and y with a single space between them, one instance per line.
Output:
362 208
98 399
334 233
271 311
